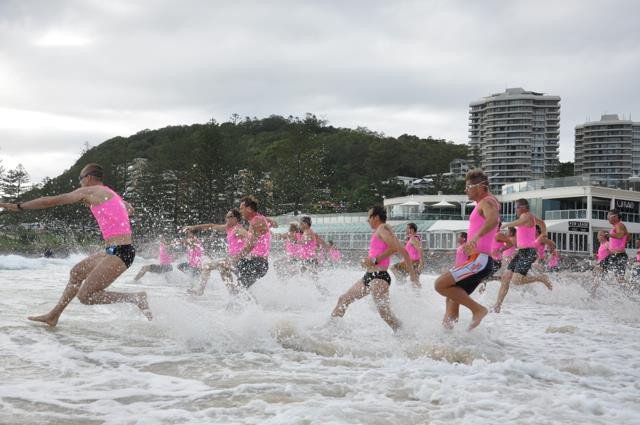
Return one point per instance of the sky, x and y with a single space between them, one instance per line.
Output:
74 72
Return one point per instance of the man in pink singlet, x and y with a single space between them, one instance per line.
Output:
526 255
376 280
90 278
458 283
413 246
617 259
289 264
235 242
164 261
252 262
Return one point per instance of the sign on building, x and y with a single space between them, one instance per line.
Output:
579 226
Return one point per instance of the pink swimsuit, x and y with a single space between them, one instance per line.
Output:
553 262
540 247
377 247
307 249
496 254
413 252
164 256
112 216
263 244
335 255
234 243
509 251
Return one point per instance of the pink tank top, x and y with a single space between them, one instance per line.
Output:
540 247
509 251
617 244
526 236
496 254
414 254
263 244
377 247
461 257
638 256
476 221
335 255
194 256
163 255
308 249
553 262
603 251
112 216
234 243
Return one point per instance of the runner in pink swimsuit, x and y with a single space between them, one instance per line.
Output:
413 246
90 278
164 261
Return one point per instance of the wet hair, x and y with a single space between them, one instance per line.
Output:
236 213
306 220
614 212
293 227
522 202
249 202
413 227
95 170
477 176
463 234
379 212
512 231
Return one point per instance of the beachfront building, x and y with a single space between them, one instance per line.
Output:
514 136
458 168
608 150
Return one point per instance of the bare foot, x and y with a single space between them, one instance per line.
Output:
143 305
48 318
496 308
477 318
449 322
545 279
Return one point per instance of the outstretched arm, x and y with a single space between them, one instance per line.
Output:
74 197
205 227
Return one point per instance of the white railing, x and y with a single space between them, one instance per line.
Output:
565 214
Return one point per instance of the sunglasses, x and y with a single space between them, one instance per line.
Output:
471 186
82 177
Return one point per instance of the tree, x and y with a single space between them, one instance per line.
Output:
15 183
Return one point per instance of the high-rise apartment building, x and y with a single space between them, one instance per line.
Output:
514 136
608 150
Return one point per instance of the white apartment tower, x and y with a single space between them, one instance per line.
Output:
608 150
514 135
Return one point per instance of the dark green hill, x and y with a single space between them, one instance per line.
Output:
187 174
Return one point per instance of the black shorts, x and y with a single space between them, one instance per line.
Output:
616 263
497 265
160 268
250 269
472 272
124 252
186 268
523 260
382 275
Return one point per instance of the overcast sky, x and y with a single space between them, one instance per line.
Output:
84 71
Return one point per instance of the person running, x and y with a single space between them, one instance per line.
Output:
635 269
289 264
195 252
90 278
617 259
461 256
600 256
543 244
309 247
164 261
376 280
252 262
413 246
518 268
510 244
236 235
457 284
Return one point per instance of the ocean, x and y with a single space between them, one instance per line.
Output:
550 357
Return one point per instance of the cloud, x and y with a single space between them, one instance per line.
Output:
86 69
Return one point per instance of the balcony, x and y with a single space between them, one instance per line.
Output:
428 216
565 214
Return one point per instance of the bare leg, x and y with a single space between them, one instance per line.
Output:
451 314
142 272
92 291
204 278
357 291
518 279
398 272
380 293
445 285
504 288
78 273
